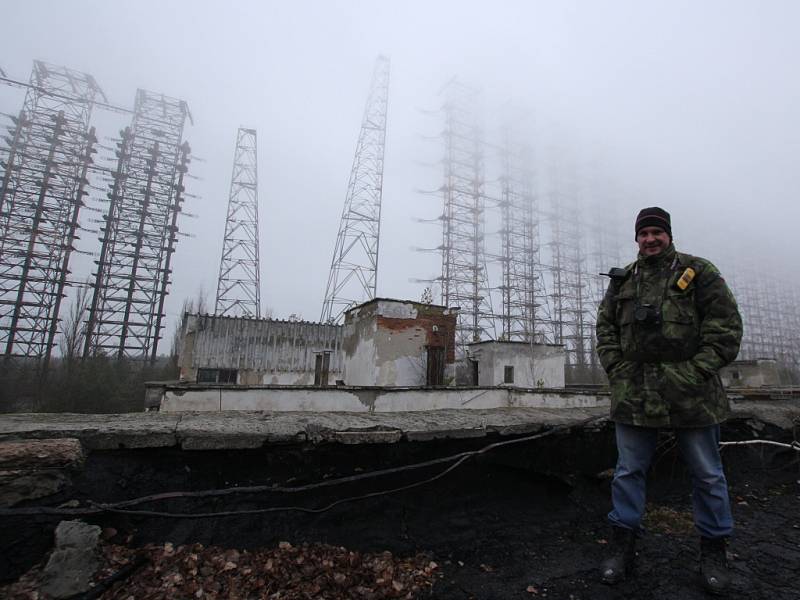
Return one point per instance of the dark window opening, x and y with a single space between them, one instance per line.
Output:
735 375
508 374
474 372
216 375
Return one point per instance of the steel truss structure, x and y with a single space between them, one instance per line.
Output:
353 277
519 244
768 304
140 231
42 189
603 251
239 283
571 318
464 280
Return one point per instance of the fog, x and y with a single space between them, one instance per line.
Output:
691 106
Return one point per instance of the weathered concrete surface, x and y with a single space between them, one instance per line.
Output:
239 430
18 486
361 399
41 454
533 365
74 561
31 469
96 432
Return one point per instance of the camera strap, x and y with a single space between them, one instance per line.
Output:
638 279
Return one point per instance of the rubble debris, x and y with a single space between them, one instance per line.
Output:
73 563
34 469
287 572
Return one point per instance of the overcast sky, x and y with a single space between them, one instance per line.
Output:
691 105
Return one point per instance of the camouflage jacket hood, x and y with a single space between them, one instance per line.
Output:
663 346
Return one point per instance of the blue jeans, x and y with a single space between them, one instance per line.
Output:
700 449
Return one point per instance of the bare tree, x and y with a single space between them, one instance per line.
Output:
197 305
74 328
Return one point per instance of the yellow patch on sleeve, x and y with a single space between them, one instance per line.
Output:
686 278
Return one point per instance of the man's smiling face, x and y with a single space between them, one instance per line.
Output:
652 240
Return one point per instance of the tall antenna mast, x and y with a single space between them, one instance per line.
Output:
140 232
464 279
519 243
353 276
239 285
43 179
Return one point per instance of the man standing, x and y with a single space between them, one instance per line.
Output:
667 325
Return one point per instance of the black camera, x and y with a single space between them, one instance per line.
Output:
647 315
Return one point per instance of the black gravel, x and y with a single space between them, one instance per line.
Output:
524 521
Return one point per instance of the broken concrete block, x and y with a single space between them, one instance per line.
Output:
74 560
65 453
31 469
16 486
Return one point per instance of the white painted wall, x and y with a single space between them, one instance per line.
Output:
196 398
382 356
360 351
535 365
751 373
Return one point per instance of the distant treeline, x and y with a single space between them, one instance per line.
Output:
90 385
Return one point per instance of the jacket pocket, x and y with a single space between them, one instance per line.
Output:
684 379
679 317
692 395
623 370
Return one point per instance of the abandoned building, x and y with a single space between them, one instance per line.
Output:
387 355
758 373
395 343
520 364
383 342
247 351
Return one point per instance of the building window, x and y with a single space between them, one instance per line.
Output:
736 375
216 375
508 374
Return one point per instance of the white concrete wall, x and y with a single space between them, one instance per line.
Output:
753 374
360 352
278 399
382 356
535 366
292 378
401 357
263 351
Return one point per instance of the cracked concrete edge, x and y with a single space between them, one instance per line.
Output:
242 430
95 432
784 414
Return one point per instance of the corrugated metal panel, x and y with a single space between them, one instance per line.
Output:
263 344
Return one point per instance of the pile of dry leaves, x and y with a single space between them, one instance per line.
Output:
287 572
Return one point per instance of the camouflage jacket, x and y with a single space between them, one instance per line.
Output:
663 367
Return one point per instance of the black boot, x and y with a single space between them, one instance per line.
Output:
622 549
714 574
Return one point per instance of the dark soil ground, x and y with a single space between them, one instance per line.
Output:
522 521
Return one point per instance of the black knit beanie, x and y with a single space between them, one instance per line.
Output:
653 217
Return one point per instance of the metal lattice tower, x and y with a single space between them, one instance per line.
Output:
464 279
519 244
139 236
42 189
571 321
239 284
770 314
353 276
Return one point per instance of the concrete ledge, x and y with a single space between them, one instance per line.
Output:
220 398
242 430
96 432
